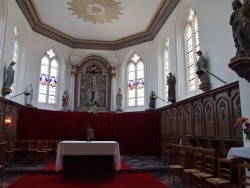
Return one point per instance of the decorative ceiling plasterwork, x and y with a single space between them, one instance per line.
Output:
38 26
96 11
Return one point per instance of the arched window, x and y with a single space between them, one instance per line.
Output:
192 46
166 66
14 54
48 78
135 74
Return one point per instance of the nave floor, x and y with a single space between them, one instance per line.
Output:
156 165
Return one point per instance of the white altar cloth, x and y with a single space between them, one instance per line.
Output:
236 152
87 148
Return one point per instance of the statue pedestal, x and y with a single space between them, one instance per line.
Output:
6 91
205 87
241 65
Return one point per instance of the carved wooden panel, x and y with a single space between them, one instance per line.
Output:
167 123
163 123
237 133
209 119
174 123
180 121
210 115
223 118
188 123
198 120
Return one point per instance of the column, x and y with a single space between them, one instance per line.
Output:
72 89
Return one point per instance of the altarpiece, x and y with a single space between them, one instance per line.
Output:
93 82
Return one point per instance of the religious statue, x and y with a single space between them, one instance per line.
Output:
202 72
30 95
240 22
65 100
9 79
153 98
93 76
119 100
171 88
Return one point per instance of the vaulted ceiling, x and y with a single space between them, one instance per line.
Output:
97 24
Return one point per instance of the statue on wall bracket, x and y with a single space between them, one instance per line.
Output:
202 72
240 22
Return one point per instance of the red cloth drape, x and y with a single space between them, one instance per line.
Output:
138 133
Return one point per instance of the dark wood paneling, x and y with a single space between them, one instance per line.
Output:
210 115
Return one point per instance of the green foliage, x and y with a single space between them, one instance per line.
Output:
93 107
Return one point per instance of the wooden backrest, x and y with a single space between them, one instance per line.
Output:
244 178
182 156
209 164
17 144
198 161
33 144
3 147
225 168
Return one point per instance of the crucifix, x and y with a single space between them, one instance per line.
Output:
93 73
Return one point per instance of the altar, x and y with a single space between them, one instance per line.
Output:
239 152
82 159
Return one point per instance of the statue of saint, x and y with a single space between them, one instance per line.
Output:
10 76
153 98
202 72
9 79
65 100
93 74
240 22
119 100
171 87
30 94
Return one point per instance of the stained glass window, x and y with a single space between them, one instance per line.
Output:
135 75
166 66
48 78
192 46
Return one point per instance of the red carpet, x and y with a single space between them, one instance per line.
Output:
51 166
121 181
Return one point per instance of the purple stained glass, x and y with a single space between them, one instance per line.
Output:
43 79
131 84
52 81
140 83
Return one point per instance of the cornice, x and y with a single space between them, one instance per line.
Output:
38 26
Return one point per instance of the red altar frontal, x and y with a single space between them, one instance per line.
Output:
138 133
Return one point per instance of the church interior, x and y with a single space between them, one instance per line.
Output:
162 78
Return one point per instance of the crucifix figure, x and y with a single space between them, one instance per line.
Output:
93 72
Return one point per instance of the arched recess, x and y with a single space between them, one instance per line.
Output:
93 82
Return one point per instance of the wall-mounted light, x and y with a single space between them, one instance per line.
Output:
7 121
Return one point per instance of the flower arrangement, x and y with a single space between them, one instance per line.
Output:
93 107
243 122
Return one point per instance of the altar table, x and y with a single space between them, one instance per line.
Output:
88 159
239 152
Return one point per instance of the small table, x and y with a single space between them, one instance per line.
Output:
84 159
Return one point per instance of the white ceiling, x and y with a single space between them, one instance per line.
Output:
136 17
136 21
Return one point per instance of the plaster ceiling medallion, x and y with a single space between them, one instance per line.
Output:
96 11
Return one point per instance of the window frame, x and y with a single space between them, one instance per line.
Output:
51 74
133 81
195 47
